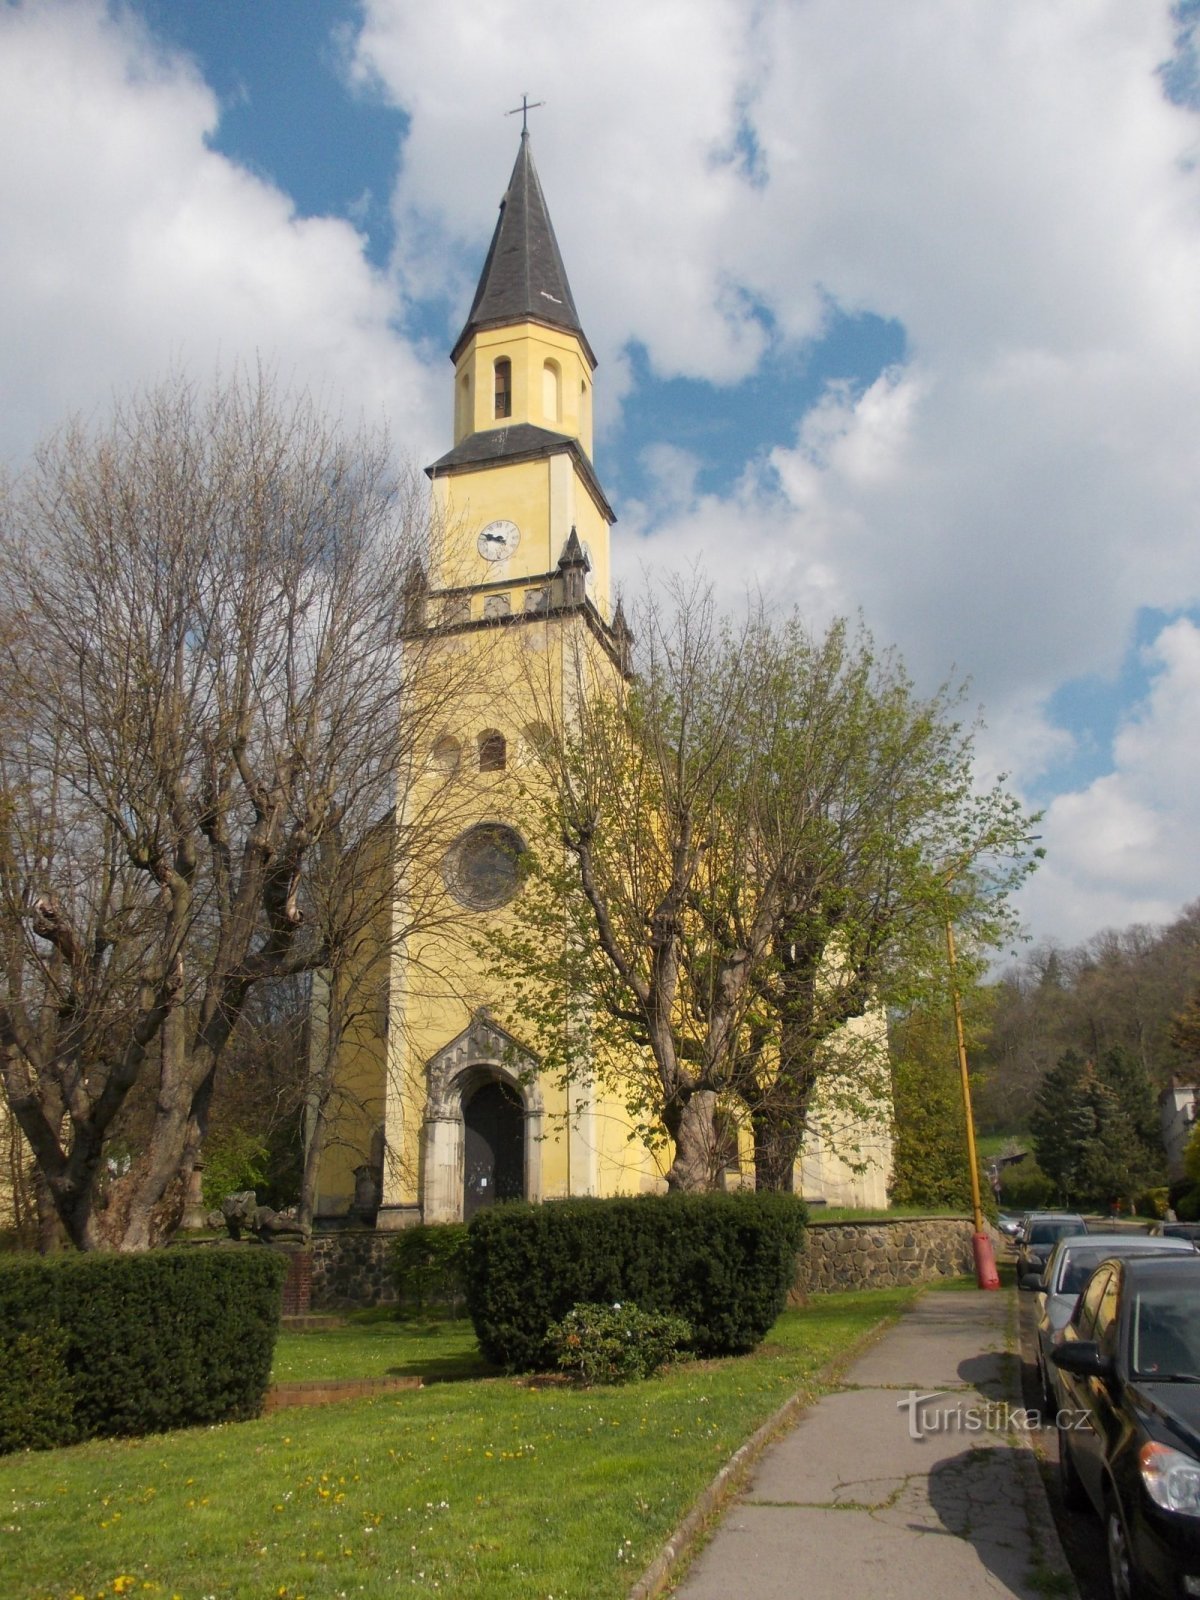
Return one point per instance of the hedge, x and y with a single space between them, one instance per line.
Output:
428 1265
723 1262
100 1345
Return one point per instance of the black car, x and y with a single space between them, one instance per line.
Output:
1041 1233
1129 1426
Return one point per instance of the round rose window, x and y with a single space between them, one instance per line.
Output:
482 867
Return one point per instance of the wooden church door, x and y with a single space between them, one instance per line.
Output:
493 1148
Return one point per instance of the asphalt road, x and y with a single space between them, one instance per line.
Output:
1080 1532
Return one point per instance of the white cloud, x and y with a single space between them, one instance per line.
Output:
1008 182
130 247
1122 849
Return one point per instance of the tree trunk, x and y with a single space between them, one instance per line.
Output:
693 1128
51 1235
775 1150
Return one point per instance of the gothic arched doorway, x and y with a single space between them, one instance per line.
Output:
493 1148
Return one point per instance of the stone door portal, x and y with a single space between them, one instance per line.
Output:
493 1148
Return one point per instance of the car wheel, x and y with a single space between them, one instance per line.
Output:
1122 1574
1069 1481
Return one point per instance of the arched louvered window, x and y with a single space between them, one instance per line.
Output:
493 751
551 392
503 388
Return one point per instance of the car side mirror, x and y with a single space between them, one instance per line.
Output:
1082 1358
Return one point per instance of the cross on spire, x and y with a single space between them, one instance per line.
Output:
527 105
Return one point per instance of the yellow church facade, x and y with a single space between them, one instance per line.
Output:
442 1107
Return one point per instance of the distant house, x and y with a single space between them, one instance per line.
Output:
1177 1108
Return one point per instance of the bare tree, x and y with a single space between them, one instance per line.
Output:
751 843
211 696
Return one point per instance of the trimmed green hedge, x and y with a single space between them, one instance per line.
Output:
100 1345
723 1262
429 1266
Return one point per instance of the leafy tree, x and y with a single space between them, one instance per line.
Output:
755 840
1124 1076
1084 1131
1184 1033
1131 990
1063 1122
929 1154
205 701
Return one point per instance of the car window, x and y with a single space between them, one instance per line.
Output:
1049 1232
1083 1318
1104 1331
1080 1264
1164 1333
1078 1267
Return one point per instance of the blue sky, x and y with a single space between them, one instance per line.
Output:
895 310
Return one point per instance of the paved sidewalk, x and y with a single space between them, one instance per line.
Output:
849 1504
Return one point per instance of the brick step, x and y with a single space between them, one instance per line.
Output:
329 1391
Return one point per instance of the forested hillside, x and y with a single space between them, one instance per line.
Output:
1122 990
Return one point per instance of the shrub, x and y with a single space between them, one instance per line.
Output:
1187 1207
723 1262
1025 1187
1152 1203
614 1344
37 1396
136 1344
231 1165
429 1266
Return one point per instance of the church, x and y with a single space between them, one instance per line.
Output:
440 1109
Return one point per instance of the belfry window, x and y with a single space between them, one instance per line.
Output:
503 387
493 751
551 392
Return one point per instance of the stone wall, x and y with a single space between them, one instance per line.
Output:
350 1265
881 1254
350 1268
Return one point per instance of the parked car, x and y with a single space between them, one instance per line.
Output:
1071 1264
1009 1223
1042 1231
1129 1428
1180 1230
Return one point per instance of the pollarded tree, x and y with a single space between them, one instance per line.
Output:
752 842
207 703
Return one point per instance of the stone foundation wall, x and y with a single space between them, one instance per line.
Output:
350 1265
882 1254
350 1268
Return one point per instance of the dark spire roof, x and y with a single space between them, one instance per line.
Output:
523 278
574 554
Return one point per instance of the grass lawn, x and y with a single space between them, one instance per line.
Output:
471 1489
880 1214
375 1346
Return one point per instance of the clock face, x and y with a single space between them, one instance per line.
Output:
498 539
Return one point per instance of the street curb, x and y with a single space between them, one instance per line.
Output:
734 1473
1043 1531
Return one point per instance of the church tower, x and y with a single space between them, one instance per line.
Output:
453 1112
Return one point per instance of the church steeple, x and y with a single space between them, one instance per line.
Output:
523 277
522 360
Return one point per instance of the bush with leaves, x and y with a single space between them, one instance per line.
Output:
97 1346
233 1164
617 1343
723 1262
429 1266
1024 1186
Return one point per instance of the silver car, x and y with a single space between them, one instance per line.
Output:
1071 1264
